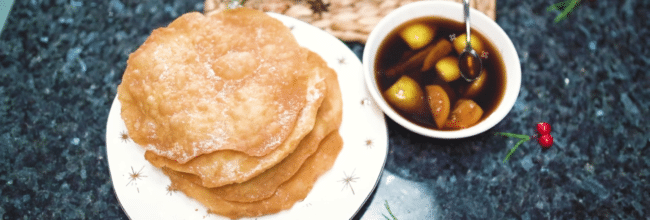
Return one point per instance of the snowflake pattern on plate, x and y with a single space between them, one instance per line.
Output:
170 189
124 136
369 143
135 176
342 61
348 180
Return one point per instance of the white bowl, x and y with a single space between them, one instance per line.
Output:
454 11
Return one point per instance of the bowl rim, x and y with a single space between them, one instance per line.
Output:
481 23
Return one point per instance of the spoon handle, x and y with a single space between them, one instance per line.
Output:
466 4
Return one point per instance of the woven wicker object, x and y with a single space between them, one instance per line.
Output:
349 20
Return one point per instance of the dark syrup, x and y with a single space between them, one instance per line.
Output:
393 48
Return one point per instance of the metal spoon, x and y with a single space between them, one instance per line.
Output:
469 63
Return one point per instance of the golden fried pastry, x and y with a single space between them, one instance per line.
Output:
230 82
225 167
328 119
234 111
290 192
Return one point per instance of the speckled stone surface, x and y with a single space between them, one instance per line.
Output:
61 62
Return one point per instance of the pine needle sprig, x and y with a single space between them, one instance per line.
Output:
389 212
522 138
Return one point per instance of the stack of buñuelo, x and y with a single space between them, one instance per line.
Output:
233 110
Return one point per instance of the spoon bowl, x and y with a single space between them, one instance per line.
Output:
470 64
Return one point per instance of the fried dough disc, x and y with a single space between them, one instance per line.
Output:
230 81
290 192
328 119
226 166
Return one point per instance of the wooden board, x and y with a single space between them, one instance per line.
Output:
349 20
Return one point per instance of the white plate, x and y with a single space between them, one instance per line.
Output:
142 189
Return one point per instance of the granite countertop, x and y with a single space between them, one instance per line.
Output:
61 62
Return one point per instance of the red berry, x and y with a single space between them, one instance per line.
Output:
543 128
546 141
